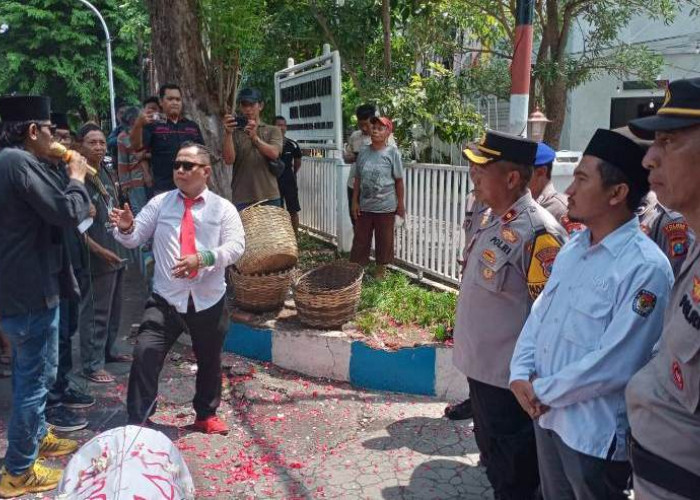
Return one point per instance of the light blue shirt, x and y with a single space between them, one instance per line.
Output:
592 327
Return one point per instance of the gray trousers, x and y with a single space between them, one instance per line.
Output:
644 490
568 474
100 315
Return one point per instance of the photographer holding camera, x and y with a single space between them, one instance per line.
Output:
252 148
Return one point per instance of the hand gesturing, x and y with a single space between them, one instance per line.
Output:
123 219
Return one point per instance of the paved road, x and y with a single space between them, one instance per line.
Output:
294 437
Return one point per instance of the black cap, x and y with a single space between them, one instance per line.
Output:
250 95
60 120
681 109
24 108
622 152
495 146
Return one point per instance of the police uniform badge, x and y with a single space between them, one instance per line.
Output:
509 235
544 251
644 303
571 226
677 235
695 294
488 273
489 256
677 375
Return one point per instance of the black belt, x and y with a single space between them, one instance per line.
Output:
662 473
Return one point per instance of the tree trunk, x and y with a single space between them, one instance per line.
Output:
386 26
555 109
177 56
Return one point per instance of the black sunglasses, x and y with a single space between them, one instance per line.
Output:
187 165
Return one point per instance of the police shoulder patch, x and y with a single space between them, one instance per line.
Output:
644 303
542 257
677 235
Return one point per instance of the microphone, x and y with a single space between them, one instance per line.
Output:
58 150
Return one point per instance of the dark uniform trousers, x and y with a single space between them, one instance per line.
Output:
160 328
505 436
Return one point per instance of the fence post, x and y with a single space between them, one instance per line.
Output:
343 222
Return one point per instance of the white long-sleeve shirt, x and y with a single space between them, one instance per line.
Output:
218 228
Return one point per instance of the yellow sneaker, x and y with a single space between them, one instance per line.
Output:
52 446
36 479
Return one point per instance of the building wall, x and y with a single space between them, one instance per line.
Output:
588 106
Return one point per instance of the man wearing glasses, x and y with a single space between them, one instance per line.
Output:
35 273
196 235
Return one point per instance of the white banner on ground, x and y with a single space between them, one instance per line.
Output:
127 462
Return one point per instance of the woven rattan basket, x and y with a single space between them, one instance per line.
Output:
260 292
270 242
328 296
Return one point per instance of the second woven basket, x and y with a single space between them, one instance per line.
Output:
270 242
327 297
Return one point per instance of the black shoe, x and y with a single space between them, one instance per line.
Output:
461 411
76 399
65 420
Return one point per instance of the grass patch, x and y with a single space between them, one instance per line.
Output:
396 301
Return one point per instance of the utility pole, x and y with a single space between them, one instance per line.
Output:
520 69
109 61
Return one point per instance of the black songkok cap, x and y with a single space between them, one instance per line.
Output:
496 146
60 120
25 108
622 152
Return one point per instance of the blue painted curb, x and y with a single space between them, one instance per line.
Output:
249 342
425 370
409 370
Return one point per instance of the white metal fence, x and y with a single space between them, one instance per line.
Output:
431 240
318 179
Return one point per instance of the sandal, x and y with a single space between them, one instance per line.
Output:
99 377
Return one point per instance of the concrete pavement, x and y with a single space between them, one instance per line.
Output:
295 437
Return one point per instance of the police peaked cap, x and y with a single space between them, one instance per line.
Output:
622 152
25 108
681 109
497 146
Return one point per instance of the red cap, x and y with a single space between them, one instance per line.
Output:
384 121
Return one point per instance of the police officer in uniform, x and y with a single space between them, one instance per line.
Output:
662 398
508 260
593 327
667 228
541 183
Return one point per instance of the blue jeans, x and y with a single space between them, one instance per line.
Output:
34 339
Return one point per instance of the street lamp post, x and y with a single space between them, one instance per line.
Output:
109 61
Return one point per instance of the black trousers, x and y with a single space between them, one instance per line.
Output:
160 328
506 440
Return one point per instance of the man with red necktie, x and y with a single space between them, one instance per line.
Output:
196 235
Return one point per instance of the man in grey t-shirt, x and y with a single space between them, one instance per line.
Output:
378 171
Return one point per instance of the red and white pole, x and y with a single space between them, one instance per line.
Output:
520 69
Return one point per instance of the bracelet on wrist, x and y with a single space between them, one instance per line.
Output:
128 230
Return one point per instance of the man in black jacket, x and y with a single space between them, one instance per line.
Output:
34 274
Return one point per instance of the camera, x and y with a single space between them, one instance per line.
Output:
241 122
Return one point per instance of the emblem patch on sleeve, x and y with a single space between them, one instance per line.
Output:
571 226
677 235
644 303
544 251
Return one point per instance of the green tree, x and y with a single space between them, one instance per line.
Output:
556 70
57 48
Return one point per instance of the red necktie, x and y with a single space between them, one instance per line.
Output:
187 240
